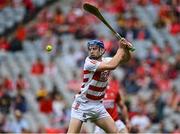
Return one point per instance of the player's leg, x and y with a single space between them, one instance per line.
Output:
104 120
74 125
107 124
77 118
121 126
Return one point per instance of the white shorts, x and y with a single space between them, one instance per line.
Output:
119 124
88 110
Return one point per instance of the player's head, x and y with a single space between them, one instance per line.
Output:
96 49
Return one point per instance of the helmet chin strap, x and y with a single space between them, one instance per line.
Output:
101 53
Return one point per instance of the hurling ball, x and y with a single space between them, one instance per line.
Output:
49 48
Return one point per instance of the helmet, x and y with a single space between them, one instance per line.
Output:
96 42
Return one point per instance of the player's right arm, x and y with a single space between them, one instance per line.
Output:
122 56
123 107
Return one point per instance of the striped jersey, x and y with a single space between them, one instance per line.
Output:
94 82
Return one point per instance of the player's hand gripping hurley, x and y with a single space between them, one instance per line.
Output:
94 10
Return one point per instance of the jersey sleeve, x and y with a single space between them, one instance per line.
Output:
91 65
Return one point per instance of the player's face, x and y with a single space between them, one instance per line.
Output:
93 51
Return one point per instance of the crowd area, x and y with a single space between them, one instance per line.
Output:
150 85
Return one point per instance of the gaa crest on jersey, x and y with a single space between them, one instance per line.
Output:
104 76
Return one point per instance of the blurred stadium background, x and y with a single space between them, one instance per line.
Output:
37 88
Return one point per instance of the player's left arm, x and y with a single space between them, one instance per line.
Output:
123 107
